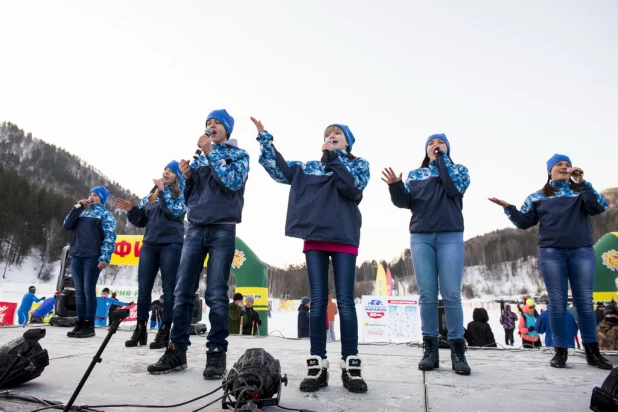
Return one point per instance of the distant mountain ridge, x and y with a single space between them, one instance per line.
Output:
41 182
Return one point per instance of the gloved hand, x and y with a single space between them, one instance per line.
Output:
531 329
130 303
43 298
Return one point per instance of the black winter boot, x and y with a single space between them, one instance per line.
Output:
79 323
87 330
431 358
174 359
163 337
560 358
458 357
215 364
594 357
317 374
351 375
140 335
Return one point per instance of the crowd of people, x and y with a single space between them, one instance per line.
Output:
323 211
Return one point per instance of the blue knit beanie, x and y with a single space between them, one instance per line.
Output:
346 132
175 167
305 300
555 159
102 192
226 120
439 136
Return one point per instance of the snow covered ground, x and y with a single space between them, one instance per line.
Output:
501 380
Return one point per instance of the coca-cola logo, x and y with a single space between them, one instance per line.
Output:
3 310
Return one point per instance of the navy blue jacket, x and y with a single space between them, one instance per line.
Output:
434 194
215 191
542 326
94 232
303 321
163 219
324 197
564 217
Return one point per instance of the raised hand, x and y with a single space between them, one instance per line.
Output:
390 176
577 179
258 124
125 205
185 168
499 202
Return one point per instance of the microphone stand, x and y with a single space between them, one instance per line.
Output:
116 317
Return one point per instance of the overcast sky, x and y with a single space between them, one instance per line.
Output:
127 87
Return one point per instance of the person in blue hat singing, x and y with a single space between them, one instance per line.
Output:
94 241
563 208
323 211
215 199
434 194
162 213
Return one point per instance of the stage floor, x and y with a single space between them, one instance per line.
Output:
501 380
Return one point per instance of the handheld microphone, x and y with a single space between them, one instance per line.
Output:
78 205
436 151
325 152
576 173
198 152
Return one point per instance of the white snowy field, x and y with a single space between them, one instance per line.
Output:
502 379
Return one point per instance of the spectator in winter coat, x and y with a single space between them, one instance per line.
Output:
94 241
331 312
529 336
479 332
323 211
236 310
157 311
543 326
103 303
113 307
214 195
607 330
434 194
38 315
507 320
599 313
26 304
162 213
251 319
562 208
303 317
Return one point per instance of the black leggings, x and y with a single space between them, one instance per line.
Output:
508 336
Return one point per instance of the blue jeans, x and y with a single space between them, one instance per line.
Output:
438 260
85 276
151 259
560 266
219 242
344 266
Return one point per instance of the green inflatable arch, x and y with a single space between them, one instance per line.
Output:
605 284
249 271
251 280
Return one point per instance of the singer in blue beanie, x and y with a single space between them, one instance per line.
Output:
224 118
90 253
562 208
215 187
162 213
434 194
102 192
323 210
